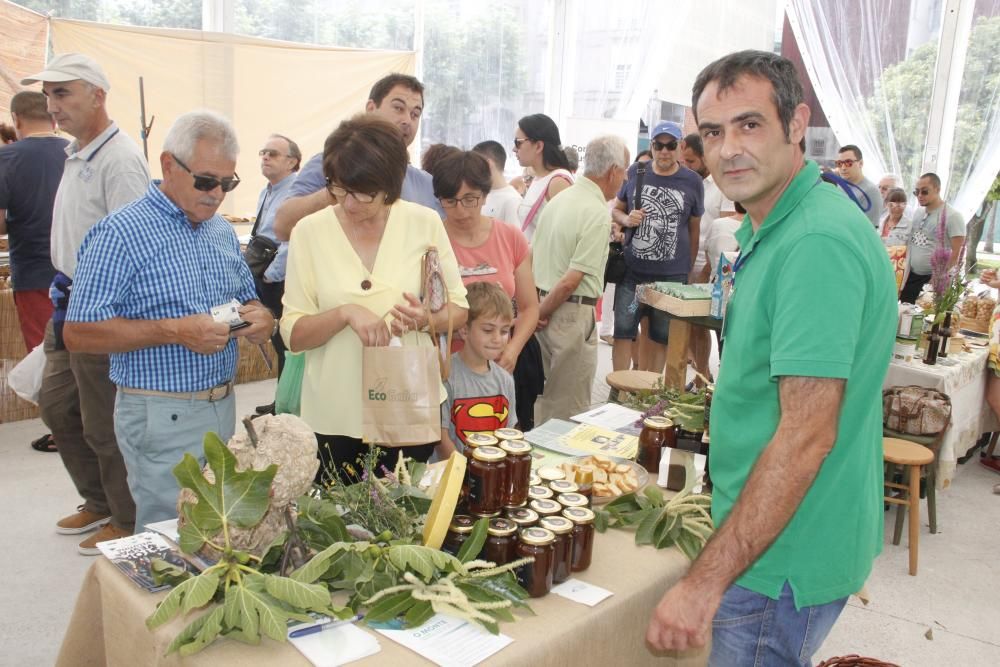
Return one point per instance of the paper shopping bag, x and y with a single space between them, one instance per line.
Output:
400 399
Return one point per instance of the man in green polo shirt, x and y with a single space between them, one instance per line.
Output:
797 414
570 249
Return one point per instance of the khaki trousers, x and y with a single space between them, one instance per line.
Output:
77 402
569 356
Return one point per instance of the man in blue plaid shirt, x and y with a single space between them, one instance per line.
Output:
148 276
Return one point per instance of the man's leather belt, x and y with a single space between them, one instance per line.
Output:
216 393
582 300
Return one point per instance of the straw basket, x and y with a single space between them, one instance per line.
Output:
855 661
251 366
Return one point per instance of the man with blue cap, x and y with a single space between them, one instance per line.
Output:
660 213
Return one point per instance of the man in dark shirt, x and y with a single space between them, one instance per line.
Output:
30 170
661 241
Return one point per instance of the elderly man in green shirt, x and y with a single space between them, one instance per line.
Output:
796 419
570 249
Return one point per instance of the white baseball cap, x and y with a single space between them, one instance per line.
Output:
71 67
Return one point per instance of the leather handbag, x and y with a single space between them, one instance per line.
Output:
614 270
915 410
259 254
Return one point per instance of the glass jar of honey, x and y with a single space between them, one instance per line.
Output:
487 480
657 433
550 473
563 486
523 517
540 493
562 555
573 500
583 536
458 533
518 470
545 507
501 541
508 434
536 577
475 440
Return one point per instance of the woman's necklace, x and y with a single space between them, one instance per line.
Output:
366 283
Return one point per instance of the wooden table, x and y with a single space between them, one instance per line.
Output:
963 378
107 626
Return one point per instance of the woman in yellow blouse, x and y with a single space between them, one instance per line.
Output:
353 280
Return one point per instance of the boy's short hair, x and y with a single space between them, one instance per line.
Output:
488 300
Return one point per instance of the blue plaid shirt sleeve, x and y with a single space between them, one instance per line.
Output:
103 272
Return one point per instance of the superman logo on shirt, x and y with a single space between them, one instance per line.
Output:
482 414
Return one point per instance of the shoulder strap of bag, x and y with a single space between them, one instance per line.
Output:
256 220
430 271
542 197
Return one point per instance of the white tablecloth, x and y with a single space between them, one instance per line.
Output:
962 377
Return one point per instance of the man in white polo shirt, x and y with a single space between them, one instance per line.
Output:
104 171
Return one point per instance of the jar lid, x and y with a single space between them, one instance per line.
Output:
500 526
508 434
657 423
559 525
489 515
480 439
579 514
537 536
545 506
534 480
487 453
523 516
549 473
563 486
462 523
519 447
572 500
539 492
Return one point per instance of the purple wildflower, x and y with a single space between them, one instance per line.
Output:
389 475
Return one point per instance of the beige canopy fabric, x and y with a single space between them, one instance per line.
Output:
23 35
264 86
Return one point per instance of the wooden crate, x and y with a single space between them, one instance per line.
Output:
675 306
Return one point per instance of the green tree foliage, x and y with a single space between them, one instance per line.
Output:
902 98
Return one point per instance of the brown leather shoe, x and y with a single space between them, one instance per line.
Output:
107 532
82 522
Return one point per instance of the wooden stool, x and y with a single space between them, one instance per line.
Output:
631 382
912 456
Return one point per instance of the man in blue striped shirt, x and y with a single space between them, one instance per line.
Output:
147 278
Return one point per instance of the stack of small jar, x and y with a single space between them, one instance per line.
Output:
546 517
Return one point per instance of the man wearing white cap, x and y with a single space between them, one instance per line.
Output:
104 171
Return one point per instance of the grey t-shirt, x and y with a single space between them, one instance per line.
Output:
875 211
477 402
924 235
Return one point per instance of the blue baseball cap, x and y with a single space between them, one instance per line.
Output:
667 127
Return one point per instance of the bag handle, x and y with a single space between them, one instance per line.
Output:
432 282
542 198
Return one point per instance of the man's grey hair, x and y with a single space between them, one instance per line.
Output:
603 153
892 177
194 126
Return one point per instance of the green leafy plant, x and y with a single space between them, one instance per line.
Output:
686 409
682 521
252 602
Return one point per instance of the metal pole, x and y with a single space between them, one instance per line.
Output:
142 119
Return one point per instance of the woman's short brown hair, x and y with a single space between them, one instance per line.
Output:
366 154
462 167
896 195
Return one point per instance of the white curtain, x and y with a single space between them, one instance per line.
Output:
873 63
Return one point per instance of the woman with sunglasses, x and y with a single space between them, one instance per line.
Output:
354 280
537 145
491 250
897 226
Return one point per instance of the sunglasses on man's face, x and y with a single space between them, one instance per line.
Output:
209 183
670 145
845 163
921 191
271 153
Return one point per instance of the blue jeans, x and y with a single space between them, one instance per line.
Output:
154 433
752 629
629 312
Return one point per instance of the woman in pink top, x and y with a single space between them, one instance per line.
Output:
490 250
